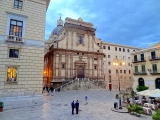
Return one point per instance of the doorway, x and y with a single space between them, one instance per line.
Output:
80 72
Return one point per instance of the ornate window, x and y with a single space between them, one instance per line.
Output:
13 53
18 4
80 40
12 74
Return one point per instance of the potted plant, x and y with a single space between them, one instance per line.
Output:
128 101
135 109
1 106
117 96
156 116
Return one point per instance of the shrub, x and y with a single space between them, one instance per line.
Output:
1 104
156 116
117 96
142 88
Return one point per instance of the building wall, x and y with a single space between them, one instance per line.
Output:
33 10
123 56
29 64
149 78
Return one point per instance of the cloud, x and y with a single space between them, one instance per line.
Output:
123 22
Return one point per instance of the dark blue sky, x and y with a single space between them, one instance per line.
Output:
129 22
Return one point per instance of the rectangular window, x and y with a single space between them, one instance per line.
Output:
115 48
136 69
104 47
104 56
12 74
142 57
135 58
95 58
116 71
124 71
109 71
129 71
109 56
98 44
16 28
153 55
143 68
18 4
128 64
95 67
154 67
120 71
119 49
123 50
108 47
13 53
109 63
128 50
63 65
80 40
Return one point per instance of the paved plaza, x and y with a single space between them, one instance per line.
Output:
57 106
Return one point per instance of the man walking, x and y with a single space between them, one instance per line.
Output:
77 106
72 106
86 100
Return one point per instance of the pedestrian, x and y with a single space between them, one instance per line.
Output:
86 100
51 87
77 106
72 106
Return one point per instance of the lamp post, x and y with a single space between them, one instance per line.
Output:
117 62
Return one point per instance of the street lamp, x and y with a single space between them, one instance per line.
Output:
117 63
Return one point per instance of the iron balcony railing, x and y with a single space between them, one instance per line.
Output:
139 60
154 57
13 38
154 72
140 72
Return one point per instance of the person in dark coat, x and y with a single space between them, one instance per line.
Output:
77 106
72 106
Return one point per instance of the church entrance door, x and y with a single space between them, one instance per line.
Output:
80 72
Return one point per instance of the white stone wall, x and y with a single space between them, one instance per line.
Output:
30 70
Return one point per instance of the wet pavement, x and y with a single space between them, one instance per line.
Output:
57 106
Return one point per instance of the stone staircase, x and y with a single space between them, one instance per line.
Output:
80 84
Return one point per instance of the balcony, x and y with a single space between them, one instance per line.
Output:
139 60
154 72
156 57
12 38
139 72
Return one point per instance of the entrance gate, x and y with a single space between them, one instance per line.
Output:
80 72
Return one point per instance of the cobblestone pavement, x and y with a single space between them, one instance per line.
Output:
57 106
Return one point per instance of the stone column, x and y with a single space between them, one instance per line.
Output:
88 75
66 67
92 67
60 65
71 65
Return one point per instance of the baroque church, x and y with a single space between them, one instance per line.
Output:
73 51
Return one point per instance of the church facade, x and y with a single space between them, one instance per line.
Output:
73 51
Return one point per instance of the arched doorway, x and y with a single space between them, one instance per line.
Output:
157 83
80 72
141 81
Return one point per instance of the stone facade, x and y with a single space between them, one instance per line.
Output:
146 67
22 48
73 48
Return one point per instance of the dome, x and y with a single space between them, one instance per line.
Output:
58 28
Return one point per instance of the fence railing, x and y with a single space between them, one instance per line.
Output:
154 57
139 60
140 72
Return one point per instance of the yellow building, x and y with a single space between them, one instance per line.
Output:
22 28
146 67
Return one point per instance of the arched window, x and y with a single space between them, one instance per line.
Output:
157 83
141 81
